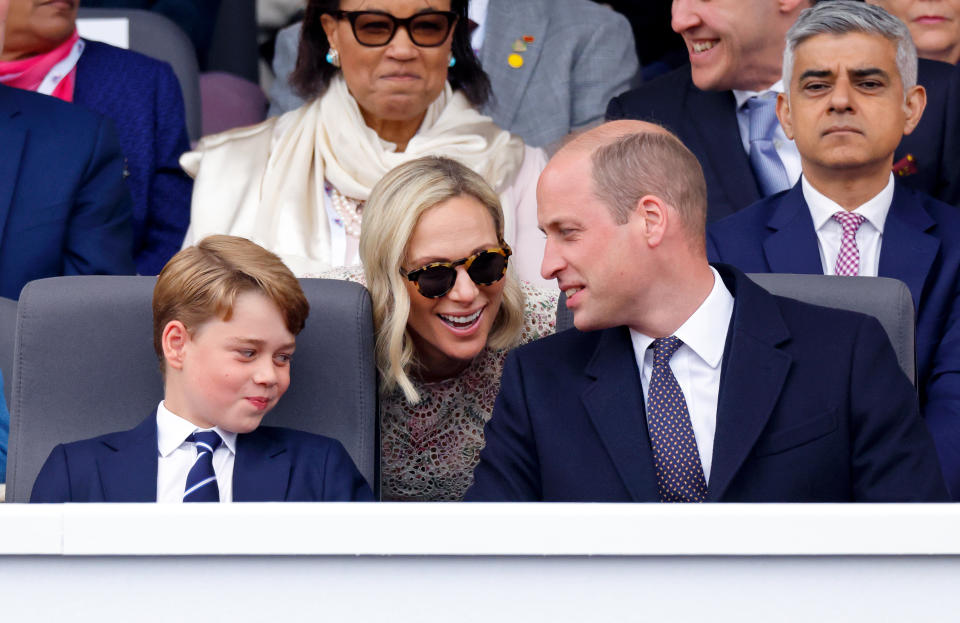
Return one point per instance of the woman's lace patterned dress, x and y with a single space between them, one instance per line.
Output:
428 450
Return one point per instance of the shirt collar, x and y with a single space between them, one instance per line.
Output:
822 208
743 96
173 430
705 331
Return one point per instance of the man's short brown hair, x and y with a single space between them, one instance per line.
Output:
651 163
202 282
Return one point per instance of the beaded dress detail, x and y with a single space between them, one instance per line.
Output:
428 450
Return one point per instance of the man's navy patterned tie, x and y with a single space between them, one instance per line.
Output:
675 455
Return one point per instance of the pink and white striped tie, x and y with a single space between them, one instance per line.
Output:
848 260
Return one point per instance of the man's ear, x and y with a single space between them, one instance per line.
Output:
174 340
783 114
653 218
789 6
914 104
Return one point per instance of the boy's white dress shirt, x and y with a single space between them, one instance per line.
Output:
176 456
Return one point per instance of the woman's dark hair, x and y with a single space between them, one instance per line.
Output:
313 73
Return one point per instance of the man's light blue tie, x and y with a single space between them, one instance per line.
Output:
202 481
767 166
674 446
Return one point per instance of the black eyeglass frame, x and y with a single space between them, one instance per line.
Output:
353 16
414 275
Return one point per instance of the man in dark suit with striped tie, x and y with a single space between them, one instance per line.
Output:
684 381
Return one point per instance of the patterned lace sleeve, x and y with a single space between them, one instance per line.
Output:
344 273
540 315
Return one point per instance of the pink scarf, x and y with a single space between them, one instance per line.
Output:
29 73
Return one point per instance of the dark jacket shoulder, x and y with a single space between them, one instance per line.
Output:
658 101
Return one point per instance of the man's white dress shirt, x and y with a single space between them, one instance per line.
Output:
696 364
176 456
830 233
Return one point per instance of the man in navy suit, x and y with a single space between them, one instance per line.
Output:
848 103
225 316
684 381
735 49
64 209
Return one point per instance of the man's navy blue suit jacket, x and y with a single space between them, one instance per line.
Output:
64 208
921 247
142 98
813 407
272 465
706 122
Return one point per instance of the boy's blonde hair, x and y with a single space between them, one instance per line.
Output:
389 217
203 281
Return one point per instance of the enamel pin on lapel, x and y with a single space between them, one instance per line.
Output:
905 166
515 60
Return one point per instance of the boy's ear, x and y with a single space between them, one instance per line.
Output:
174 340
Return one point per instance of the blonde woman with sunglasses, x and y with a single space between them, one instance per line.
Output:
447 307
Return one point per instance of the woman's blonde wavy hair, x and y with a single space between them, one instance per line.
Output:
389 218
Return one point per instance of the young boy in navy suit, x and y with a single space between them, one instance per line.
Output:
225 318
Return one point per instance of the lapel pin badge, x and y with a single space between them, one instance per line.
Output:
515 61
905 166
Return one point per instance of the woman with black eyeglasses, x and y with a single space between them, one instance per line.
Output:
399 80
447 307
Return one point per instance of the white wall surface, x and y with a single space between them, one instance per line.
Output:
470 562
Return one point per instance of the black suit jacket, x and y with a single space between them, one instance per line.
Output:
813 407
706 122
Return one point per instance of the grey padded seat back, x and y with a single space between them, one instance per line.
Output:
8 325
85 366
156 36
888 300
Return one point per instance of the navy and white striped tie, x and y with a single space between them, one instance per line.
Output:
202 481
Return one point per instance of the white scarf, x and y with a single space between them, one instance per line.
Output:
265 182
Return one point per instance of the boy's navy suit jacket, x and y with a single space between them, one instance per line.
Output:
921 247
813 407
272 465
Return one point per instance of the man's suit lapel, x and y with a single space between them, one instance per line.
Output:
792 245
713 115
507 21
13 138
907 252
261 470
614 402
754 371
128 465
